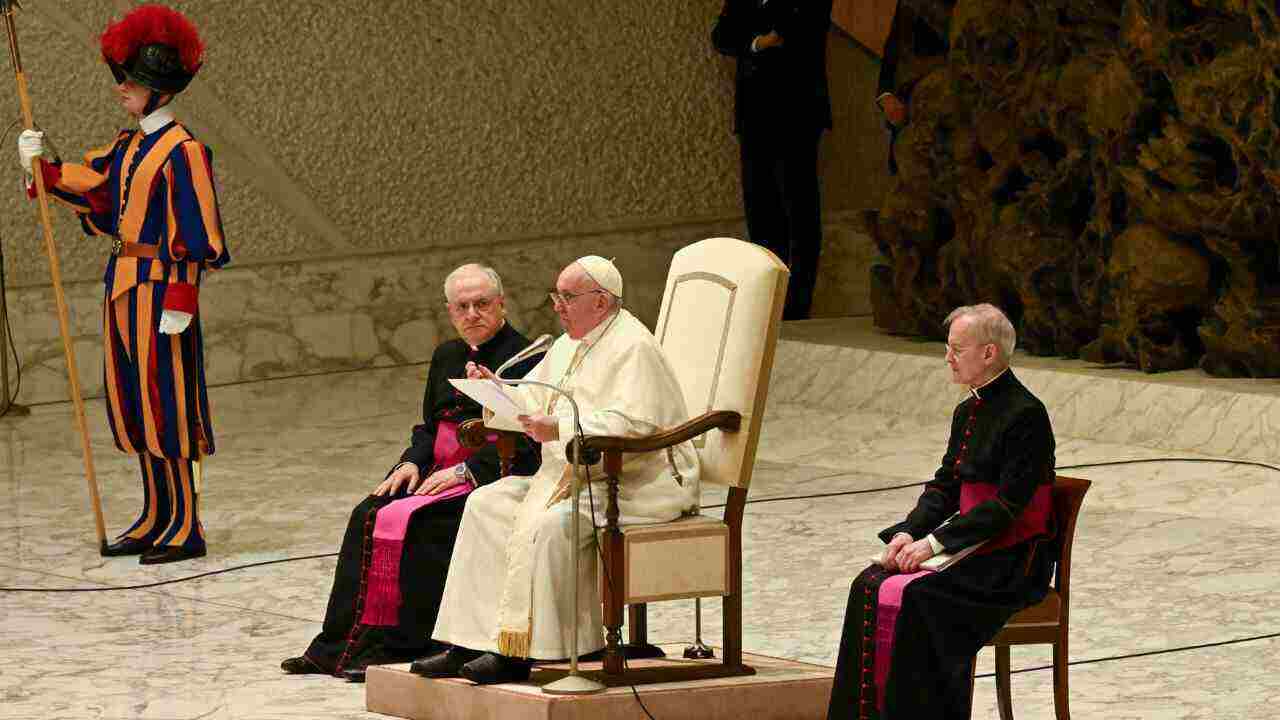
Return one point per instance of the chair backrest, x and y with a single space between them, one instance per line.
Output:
719 327
1068 495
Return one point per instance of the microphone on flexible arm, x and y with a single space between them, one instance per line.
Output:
537 347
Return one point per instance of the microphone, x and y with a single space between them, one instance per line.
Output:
537 347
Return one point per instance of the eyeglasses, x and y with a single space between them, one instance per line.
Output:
957 351
462 308
564 298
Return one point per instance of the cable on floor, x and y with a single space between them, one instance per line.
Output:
173 581
1148 653
1106 463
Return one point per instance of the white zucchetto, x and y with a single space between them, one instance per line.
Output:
603 272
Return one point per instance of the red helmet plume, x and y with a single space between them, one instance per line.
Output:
155 46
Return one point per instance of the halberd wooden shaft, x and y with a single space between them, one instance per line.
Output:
55 272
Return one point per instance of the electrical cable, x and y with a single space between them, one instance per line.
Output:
1148 653
1107 463
173 581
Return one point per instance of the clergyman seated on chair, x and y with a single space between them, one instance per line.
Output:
910 635
507 598
394 556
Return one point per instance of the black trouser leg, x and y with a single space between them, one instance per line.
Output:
802 204
782 203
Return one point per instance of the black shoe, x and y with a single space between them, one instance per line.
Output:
492 669
125 546
355 675
169 553
301 666
445 664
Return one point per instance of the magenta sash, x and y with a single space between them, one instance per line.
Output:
382 595
1035 521
888 605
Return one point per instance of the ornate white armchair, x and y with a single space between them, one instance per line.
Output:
718 327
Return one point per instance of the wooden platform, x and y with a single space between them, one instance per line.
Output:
780 689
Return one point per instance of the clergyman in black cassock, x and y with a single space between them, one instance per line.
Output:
909 638
346 643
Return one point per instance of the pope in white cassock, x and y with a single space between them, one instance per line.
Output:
507 597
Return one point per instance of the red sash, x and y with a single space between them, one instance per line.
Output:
1035 520
382 597
888 606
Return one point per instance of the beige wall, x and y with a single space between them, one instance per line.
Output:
391 139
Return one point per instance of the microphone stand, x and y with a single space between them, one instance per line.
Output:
574 683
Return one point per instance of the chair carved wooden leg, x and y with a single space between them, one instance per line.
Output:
1060 679
734 509
1003 695
613 655
638 624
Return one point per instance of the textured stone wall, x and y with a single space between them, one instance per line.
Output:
363 149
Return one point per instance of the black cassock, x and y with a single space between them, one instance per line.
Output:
998 470
344 643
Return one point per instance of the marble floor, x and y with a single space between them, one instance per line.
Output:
1169 556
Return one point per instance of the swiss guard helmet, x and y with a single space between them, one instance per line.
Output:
154 46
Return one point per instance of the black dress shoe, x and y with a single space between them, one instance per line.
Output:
491 669
168 554
301 666
355 675
445 664
126 546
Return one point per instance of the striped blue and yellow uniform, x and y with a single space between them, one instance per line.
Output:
154 196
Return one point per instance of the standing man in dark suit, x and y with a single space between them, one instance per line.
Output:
914 49
781 107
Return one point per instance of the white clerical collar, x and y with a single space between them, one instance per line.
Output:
156 120
973 389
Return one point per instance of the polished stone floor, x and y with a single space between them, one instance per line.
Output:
1169 555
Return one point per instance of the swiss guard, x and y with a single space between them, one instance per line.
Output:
152 195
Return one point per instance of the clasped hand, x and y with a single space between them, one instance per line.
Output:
409 477
904 554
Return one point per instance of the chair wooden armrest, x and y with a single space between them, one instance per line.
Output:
473 435
726 420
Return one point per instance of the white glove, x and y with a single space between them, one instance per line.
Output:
173 322
30 147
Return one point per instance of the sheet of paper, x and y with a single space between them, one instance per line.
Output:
494 398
